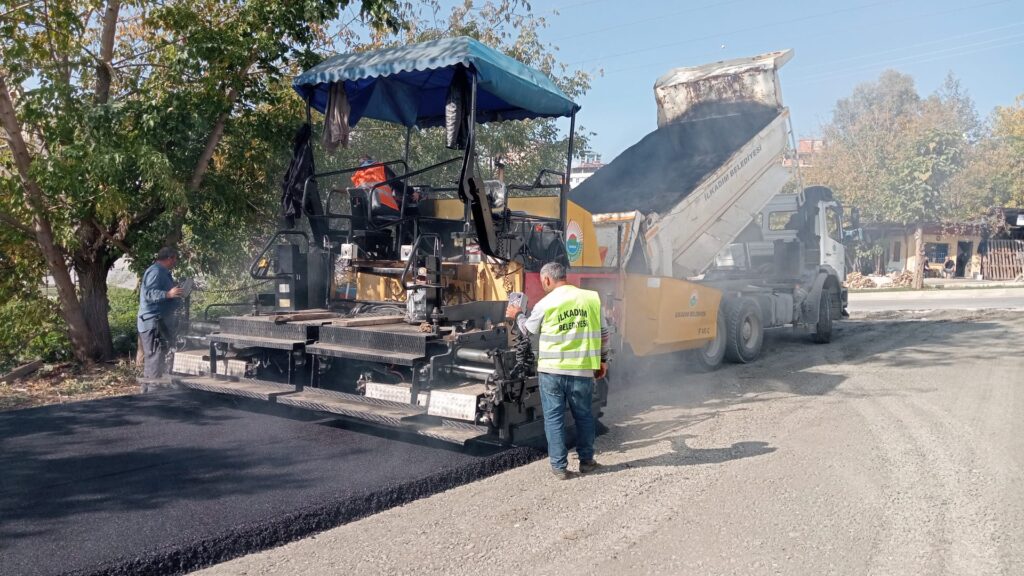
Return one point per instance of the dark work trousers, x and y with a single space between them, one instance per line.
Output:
155 344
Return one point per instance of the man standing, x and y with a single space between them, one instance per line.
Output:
157 302
573 352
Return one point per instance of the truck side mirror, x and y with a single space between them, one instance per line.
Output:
854 217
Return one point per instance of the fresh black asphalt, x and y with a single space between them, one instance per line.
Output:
165 483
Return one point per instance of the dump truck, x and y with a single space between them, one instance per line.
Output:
697 205
387 294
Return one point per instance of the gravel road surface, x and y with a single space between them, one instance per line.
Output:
951 299
897 449
168 482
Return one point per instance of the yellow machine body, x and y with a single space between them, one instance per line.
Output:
662 315
580 221
659 315
471 282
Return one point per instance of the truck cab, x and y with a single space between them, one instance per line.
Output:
785 219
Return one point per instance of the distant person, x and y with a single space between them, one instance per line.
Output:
949 267
573 353
158 299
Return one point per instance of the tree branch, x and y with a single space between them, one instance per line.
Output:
202 167
106 235
104 71
19 149
203 164
16 224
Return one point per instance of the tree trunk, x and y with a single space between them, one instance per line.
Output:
919 261
70 309
82 343
92 284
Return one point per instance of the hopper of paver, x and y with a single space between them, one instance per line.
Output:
686 191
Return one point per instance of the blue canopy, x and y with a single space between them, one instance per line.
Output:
408 85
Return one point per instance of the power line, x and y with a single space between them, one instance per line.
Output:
832 63
618 26
929 56
741 30
915 17
578 4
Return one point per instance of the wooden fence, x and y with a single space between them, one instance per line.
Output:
1005 260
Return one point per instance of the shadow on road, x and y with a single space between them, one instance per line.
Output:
683 455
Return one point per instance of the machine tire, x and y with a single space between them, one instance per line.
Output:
745 331
709 357
823 329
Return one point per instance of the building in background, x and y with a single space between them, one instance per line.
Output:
591 163
806 150
990 249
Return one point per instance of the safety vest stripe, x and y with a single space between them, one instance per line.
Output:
554 354
569 336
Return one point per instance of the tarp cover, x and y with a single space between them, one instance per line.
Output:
408 84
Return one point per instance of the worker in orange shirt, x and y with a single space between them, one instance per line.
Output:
371 173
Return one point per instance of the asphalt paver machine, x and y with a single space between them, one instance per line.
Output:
387 301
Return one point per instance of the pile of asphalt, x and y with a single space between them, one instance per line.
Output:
170 482
658 172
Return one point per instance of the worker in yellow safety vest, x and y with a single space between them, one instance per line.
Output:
572 354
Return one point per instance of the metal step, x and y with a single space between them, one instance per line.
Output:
248 341
365 354
456 435
259 390
393 414
399 393
197 363
352 405
460 402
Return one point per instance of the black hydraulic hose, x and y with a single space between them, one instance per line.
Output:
525 359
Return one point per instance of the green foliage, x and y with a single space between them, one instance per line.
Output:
174 131
1007 155
124 309
179 130
916 189
32 330
905 159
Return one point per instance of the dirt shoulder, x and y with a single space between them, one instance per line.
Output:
61 383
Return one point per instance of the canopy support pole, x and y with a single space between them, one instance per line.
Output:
408 135
470 144
405 196
563 198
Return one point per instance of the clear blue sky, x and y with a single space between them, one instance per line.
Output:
839 44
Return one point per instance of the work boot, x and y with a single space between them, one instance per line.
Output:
589 466
563 474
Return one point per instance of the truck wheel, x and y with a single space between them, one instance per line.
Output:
823 329
745 331
709 357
